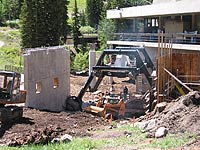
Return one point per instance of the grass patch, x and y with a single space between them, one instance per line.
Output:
137 140
169 142
80 3
10 53
11 37
76 144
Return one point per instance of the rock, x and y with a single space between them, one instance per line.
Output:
161 132
151 124
191 98
150 135
66 138
127 134
161 106
55 140
141 125
146 125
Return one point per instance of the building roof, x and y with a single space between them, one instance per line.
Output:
156 9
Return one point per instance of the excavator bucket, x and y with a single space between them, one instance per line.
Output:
115 109
96 110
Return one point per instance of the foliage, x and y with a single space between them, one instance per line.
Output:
121 24
80 61
10 55
43 24
81 4
94 10
76 27
113 4
11 37
87 30
10 10
106 27
82 18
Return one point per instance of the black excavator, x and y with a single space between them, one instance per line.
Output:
10 95
139 63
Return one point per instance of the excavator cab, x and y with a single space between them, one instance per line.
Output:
10 92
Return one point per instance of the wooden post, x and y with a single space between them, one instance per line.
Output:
158 69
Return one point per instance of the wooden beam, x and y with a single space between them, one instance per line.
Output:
179 81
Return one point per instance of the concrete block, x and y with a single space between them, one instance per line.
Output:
47 78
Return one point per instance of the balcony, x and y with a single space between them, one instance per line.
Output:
182 41
176 38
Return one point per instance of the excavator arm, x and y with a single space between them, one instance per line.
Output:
100 70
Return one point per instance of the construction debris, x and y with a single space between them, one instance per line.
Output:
161 132
180 115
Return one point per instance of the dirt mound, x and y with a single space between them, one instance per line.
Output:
40 127
183 115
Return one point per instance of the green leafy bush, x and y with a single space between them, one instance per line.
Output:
80 62
10 56
87 30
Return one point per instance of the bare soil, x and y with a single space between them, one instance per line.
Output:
182 115
40 127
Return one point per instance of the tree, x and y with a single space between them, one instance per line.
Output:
82 18
106 27
76 27
93 10
122 24
43 24
10 9
126 3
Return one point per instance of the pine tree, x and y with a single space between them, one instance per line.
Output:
44 22
94 9
76 27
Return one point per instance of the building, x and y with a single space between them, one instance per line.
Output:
179 20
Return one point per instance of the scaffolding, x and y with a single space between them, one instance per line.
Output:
177 71
164 61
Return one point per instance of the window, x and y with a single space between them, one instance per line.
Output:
55 83
38 87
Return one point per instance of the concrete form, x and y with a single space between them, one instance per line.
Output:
47 78
92 63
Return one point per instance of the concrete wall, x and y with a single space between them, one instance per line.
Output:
47 78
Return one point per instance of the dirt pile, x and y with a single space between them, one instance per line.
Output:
182 115
40 127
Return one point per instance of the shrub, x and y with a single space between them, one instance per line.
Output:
80 62
87 30
10 56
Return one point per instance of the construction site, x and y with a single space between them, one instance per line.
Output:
150 80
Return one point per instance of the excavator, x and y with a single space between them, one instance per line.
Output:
10 94
137 62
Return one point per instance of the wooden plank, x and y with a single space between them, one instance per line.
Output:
179 81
